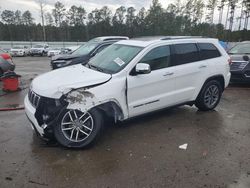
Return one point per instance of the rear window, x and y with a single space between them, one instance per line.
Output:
185 53
208 51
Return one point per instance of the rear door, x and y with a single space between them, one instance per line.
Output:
190 70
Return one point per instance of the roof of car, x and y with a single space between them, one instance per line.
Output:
108 38
148 40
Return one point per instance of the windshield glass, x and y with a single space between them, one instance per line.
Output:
38 46
114 58
85 49
243 48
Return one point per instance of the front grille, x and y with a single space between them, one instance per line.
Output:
239 65
34 98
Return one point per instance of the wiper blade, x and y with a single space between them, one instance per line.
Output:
96 68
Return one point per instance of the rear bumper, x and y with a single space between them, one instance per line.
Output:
227 80
30 112
240 76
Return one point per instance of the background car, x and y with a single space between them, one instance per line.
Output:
39 49
69 50
85 52
54 51
19 51
6 63
240 67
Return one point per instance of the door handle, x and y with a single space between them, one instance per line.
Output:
202 66
168 74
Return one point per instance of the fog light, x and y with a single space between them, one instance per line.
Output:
45 118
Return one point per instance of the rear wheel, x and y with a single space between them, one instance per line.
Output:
209 96
78 129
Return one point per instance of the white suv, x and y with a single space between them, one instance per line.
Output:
127 79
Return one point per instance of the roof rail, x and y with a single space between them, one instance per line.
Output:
181 37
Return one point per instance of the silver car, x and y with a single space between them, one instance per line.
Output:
6 63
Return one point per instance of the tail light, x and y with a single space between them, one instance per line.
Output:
230 61
7 57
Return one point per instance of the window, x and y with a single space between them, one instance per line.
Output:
242 48
208 51
114 58
157 58
185 53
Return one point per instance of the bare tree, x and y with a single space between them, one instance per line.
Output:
42 5
221 9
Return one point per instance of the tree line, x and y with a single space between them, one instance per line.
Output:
192 17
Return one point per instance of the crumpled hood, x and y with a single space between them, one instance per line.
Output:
55 83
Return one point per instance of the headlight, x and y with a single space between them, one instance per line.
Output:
61 64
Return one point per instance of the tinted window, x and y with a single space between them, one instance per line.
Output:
185 53
208 51
157 58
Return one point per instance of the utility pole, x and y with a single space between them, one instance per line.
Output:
42 5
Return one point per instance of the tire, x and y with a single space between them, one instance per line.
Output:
64 128
209 96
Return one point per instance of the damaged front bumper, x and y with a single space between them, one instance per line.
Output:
44 115
30 112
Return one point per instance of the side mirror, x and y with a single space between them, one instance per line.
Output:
142 68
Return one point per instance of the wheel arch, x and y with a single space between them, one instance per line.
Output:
111 109
220 78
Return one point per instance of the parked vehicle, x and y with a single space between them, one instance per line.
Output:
127 79
19 51
54 51
6 63
240 67
69 50
39 49
85 52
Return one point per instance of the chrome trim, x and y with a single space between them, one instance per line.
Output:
34 98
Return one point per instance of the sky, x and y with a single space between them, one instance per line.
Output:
89 5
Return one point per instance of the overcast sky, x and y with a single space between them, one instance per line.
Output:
89 5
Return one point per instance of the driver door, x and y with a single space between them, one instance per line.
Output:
155 90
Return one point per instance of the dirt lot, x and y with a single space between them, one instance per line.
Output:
142 152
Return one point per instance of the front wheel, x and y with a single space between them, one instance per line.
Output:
209 96
76 129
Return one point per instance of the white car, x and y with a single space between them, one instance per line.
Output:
39 49
19 51
127 79
54 51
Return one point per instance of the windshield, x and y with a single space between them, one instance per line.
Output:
243 48
38 46
85 49
114 58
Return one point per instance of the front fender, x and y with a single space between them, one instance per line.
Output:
84 100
